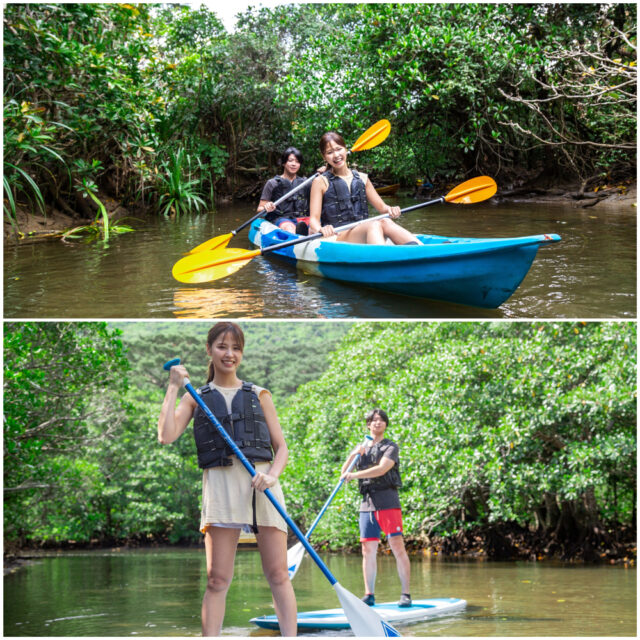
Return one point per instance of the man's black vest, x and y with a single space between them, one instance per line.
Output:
339 205
296 206
390 480
246 425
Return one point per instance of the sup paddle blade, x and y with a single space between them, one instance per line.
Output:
206 266
294 559
474 190
364 621
373 136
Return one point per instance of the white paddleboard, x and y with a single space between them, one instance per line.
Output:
388 611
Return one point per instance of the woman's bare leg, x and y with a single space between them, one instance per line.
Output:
396 233
377 232
272 543
364 233
220 547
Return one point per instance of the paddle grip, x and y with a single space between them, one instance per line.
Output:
249 467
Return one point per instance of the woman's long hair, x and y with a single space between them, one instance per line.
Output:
218 329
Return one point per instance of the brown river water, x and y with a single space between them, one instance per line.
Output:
158 593
590 274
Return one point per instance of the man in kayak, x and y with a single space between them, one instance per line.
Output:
285 215
378 478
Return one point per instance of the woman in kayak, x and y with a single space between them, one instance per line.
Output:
231 499
341 196
285 214
378 478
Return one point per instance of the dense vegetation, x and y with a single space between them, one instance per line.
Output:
505 428
160 106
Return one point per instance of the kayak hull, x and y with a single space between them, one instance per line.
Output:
389 611
480 272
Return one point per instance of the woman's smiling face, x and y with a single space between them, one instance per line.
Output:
335 154
225 353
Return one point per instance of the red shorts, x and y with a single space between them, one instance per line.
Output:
372 523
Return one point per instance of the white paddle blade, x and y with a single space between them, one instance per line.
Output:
364 620
294 558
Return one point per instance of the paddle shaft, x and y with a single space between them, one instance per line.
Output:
249 467
277 202
345 227
452 195
330 498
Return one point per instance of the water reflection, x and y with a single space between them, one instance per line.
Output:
215 303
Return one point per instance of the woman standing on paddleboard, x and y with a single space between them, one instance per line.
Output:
378 478
231 499
341 195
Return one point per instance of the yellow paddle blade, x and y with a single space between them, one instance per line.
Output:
219 242
206 266
474 190
373 136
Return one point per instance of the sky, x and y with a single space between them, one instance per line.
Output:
226 10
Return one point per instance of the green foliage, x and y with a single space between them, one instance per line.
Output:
175 108
62 394
101 227
533 424
180 193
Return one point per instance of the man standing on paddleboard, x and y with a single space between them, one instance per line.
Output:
378 478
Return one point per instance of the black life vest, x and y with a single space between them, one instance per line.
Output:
370 458
246 425
339 205
296 206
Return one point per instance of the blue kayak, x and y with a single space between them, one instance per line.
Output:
388 611
481 272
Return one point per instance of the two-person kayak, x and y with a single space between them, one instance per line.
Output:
388 611
481 272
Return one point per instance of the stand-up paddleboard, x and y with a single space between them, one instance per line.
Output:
388 611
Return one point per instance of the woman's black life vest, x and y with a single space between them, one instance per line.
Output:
390 480
246 425
296 206
339 205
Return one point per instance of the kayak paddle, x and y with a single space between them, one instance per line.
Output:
296 553
372 137
213 265
363 619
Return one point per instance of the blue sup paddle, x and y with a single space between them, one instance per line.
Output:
364 621
296 553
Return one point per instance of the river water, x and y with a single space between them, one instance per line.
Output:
159 592
591 273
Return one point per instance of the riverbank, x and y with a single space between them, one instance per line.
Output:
37 227
508 543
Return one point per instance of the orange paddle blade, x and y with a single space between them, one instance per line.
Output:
219 242
474 190
373 136
206 266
